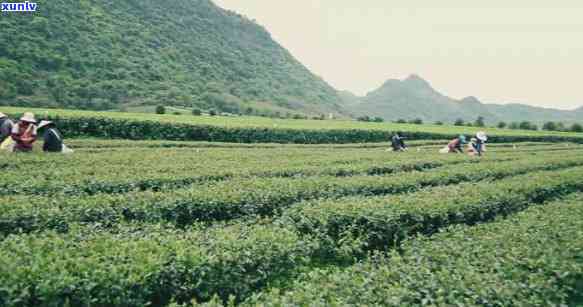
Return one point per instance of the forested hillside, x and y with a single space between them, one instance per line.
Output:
103 54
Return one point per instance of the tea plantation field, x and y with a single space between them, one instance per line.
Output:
166 223
250 129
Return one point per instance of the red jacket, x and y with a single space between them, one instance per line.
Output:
24 135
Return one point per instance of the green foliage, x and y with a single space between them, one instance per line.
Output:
103 54
196 112
531 259
526 125
417 121
459 122
257 130
480 122
577 128
160 110
241 197
146 230
502 125
550 126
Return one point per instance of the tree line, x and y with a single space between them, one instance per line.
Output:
480 122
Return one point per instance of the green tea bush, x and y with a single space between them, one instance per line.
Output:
530 259
379 223
242 198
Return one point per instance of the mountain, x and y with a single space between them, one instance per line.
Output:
414 97
103 54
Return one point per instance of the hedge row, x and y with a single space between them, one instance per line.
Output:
151 130
148 265
137 177
531 259
378 223
144 266
242 198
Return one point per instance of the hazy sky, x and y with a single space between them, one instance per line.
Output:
528 51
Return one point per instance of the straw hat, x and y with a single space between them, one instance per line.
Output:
44 123
28 117
2 115
482 136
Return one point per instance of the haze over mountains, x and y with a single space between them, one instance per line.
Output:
103 55
414 97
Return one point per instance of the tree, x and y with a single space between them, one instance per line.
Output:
401 121
550 126
196 112
364 118
438 123
417 121
514 125
526 125
479 122
576 128
213 113
160 110
502 125
378 119
458 122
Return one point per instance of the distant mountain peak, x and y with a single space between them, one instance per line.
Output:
471 100
414 78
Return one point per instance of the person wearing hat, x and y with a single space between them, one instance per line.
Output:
481 139
5 127
24 133
456 145
473 148
53 139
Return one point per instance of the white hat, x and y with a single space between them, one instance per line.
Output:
28 117
2 115
44 123
482 136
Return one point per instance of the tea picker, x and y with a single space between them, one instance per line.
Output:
53 139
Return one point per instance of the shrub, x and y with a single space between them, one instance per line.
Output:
160 110
480 122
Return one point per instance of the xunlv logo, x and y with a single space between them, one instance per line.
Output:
19 7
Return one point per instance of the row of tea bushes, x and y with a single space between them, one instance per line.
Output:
378 223
148 127
109 172
242 198
531 259
137 265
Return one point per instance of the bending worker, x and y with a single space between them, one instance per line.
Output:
24 133
456 145
53 139
5 127
398 143
479 143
